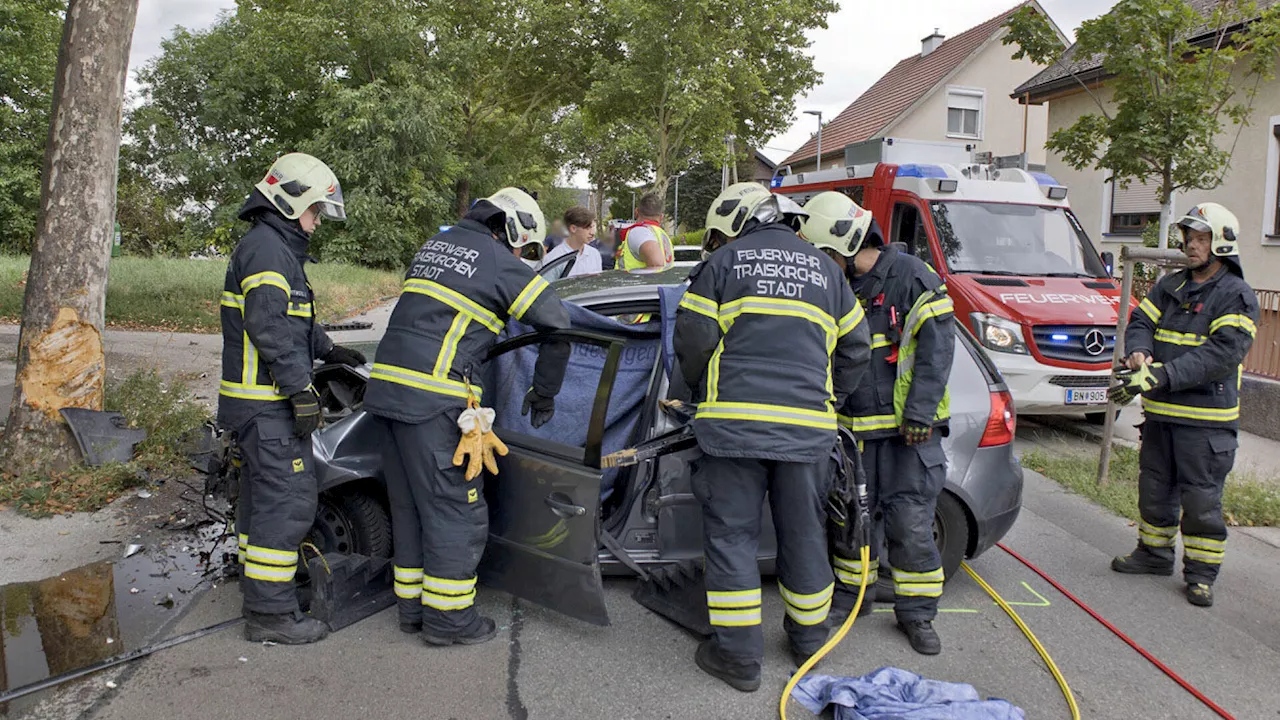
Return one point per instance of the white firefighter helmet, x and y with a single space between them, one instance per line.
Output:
297 181
525 223
733 208
835 223
1224 227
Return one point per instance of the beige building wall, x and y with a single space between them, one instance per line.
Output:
996 73
1249 188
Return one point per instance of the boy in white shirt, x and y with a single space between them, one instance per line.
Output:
580 224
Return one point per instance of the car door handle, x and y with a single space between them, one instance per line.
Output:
563 505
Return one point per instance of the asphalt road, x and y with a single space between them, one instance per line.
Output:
546 666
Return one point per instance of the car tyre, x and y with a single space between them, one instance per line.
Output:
353 522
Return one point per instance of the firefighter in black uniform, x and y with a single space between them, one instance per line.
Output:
900 412
269 343
771 339
460 290
1187 342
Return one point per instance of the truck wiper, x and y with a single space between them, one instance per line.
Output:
988 272
1069 275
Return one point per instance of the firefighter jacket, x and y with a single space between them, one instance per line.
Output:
269 336
1201 333
912 344
459 292
771 339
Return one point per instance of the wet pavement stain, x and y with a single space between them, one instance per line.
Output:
97 611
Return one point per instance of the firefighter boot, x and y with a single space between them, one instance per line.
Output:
1200 594
739 676
292 628
800 656
482 629
923 638
1142 562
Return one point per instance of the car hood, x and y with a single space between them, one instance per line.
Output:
1041 300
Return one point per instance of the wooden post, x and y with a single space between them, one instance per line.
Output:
1129 256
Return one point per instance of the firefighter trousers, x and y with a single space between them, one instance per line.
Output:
439 524
1181 473
903 484
732 493
275 510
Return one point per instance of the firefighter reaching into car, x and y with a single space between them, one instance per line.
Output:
266 399
1187 341
771 339
900 412
459 292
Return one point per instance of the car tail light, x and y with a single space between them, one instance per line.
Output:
1002 421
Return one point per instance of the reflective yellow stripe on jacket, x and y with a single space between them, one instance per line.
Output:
1240 322
1179 338
421 381
1189 412
248 388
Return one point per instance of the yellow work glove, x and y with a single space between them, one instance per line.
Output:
478 442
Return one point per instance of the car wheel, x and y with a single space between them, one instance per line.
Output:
950 532
351 523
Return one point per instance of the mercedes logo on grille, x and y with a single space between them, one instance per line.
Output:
1095 343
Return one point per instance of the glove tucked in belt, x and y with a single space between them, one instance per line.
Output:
1129 384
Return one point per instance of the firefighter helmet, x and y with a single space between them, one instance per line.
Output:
297 181
1221 224
525 223
733 210
836 223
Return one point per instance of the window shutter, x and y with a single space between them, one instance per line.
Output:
962 101
1137 199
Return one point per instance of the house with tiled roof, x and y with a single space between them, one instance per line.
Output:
955 89
1113 215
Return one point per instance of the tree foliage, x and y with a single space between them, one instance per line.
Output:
30 31
1171 71
690 72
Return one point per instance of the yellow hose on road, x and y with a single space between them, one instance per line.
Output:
865 555
1044 654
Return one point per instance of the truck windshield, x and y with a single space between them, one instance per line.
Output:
1003 239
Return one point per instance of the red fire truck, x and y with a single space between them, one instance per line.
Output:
1024 276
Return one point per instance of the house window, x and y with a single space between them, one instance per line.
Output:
1271 196
1134 207
964 112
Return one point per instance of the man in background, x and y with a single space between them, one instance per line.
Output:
646 245
580 224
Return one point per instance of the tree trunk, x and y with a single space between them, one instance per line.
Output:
1167 199
60 357
462 197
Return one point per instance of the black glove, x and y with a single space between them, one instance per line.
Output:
306 411
543 408
913 433
1129 384
344 356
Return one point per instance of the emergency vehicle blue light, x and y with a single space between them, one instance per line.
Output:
1044 178
1059 337
921 171
776 181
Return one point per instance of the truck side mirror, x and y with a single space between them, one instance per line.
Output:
1109 259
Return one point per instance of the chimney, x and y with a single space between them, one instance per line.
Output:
931 43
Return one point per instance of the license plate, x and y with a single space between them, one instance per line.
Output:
1086 396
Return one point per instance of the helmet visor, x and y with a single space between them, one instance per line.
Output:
1190 223
332 206
532 251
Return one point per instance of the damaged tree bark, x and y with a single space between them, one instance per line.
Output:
60 355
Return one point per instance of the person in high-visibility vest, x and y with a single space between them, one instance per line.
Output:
1187 342
900 412
646 244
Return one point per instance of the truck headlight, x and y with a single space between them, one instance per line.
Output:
998 334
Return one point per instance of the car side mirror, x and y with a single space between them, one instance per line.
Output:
1109 259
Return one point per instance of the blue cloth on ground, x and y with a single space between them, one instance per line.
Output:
895 694
510 376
